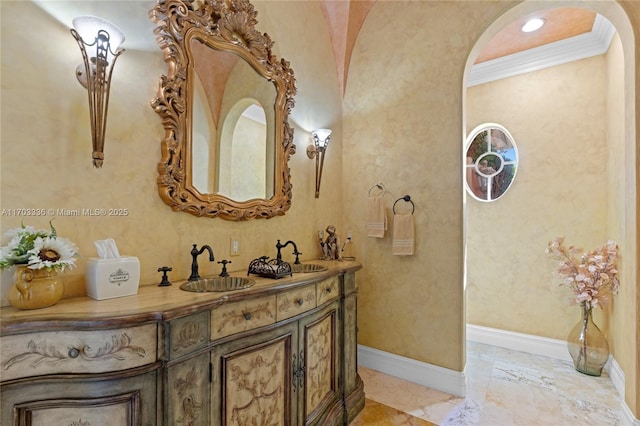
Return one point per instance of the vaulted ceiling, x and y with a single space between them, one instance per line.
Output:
345 18
568 34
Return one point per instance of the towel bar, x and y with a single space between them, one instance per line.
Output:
406 198
378 185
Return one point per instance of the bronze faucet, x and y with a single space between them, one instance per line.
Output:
295 251
194 263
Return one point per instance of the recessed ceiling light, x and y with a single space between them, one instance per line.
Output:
533 24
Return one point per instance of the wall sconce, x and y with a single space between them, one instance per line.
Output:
103 39
321 138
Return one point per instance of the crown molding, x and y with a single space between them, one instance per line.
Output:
560 52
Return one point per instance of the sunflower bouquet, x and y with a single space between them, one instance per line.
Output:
37 249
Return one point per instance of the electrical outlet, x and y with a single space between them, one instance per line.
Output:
235 247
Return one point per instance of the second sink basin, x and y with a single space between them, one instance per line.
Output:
307 267
218 284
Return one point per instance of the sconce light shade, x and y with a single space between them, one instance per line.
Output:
321 138
89 26
98 40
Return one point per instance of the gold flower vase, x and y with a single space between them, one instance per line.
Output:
587 345
35 288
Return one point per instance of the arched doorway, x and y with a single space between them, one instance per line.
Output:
524 300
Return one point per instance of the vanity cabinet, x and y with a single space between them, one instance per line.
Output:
282 353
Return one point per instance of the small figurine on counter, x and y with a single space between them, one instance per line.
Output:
331 246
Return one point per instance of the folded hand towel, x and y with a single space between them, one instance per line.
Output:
403 240
377 219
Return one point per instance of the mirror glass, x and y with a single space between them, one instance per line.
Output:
225 106
491 162
246 164
233 151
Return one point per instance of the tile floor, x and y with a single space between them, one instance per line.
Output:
504 388
376 414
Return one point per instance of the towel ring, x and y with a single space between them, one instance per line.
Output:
379 186
406 198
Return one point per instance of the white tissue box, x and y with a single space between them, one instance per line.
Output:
109 278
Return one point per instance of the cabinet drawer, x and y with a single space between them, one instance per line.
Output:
327 290
242 316
97 351
188 334
296 301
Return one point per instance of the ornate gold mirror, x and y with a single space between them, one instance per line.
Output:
225 105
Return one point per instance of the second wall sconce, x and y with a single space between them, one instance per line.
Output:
98 40
321 138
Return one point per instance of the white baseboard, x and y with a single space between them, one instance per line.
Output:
544 346
617 378
628 415
553 348
616 374
432 376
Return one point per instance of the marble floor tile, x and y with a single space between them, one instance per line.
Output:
504 388
376 414
521 400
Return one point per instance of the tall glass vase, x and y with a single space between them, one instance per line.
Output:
587 345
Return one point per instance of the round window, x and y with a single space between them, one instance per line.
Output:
491 162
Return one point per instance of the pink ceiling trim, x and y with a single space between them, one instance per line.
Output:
345 19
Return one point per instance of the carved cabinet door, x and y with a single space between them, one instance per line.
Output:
318 371
254 380
187 391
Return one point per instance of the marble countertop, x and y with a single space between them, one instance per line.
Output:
152 303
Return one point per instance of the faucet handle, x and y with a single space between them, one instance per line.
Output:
165 280
224 272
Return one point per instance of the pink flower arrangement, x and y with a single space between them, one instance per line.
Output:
593 277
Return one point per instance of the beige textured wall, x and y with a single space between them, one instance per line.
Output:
402 127
620 185
46 147
627 308
557 117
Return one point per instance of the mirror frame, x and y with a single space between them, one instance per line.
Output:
227 26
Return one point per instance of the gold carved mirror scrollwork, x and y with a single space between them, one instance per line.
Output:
225 105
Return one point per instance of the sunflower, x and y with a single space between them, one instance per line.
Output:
37 249
52 253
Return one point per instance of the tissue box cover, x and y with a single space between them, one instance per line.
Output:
109 278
